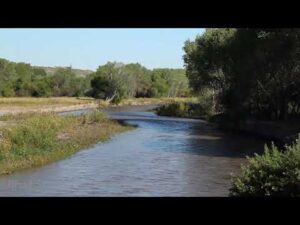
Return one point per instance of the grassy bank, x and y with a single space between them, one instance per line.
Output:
35 139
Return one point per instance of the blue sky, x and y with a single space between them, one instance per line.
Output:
89 48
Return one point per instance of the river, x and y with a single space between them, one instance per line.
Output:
161 157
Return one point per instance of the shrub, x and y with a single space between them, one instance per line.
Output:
117 99
174 109
203 109
275 173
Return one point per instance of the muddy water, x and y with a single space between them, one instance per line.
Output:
162 157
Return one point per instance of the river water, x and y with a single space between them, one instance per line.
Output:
162 157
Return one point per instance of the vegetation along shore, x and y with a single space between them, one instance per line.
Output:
244 80
15 105
35 139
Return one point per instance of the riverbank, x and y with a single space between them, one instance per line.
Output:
188 109
35 139
280 132
16 105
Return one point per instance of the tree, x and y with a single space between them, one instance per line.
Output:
65 83
39 72
40 88
103 88
253 72
169 82
8 76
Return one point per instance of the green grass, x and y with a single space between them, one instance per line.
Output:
40 138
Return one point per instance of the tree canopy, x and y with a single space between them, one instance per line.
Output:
253 72
21 79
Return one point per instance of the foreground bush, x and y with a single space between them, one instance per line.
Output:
274 173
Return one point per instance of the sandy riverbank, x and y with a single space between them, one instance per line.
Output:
19 109
63 104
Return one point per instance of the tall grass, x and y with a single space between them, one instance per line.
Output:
39 138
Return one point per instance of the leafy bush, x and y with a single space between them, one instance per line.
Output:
117 99
274 173
203 109
174 109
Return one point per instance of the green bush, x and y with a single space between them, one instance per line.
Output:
7 91
203 109
117 99
275 173
174 109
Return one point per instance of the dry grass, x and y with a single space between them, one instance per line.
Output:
146 101
52 101
15 105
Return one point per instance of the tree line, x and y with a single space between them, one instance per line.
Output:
22 79
248 72
112 81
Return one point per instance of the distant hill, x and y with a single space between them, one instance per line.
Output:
51 70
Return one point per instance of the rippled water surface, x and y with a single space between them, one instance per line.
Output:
162 157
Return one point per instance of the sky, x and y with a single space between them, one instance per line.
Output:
89 48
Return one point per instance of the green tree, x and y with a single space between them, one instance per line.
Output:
253 72
169 82
8 76
65 83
